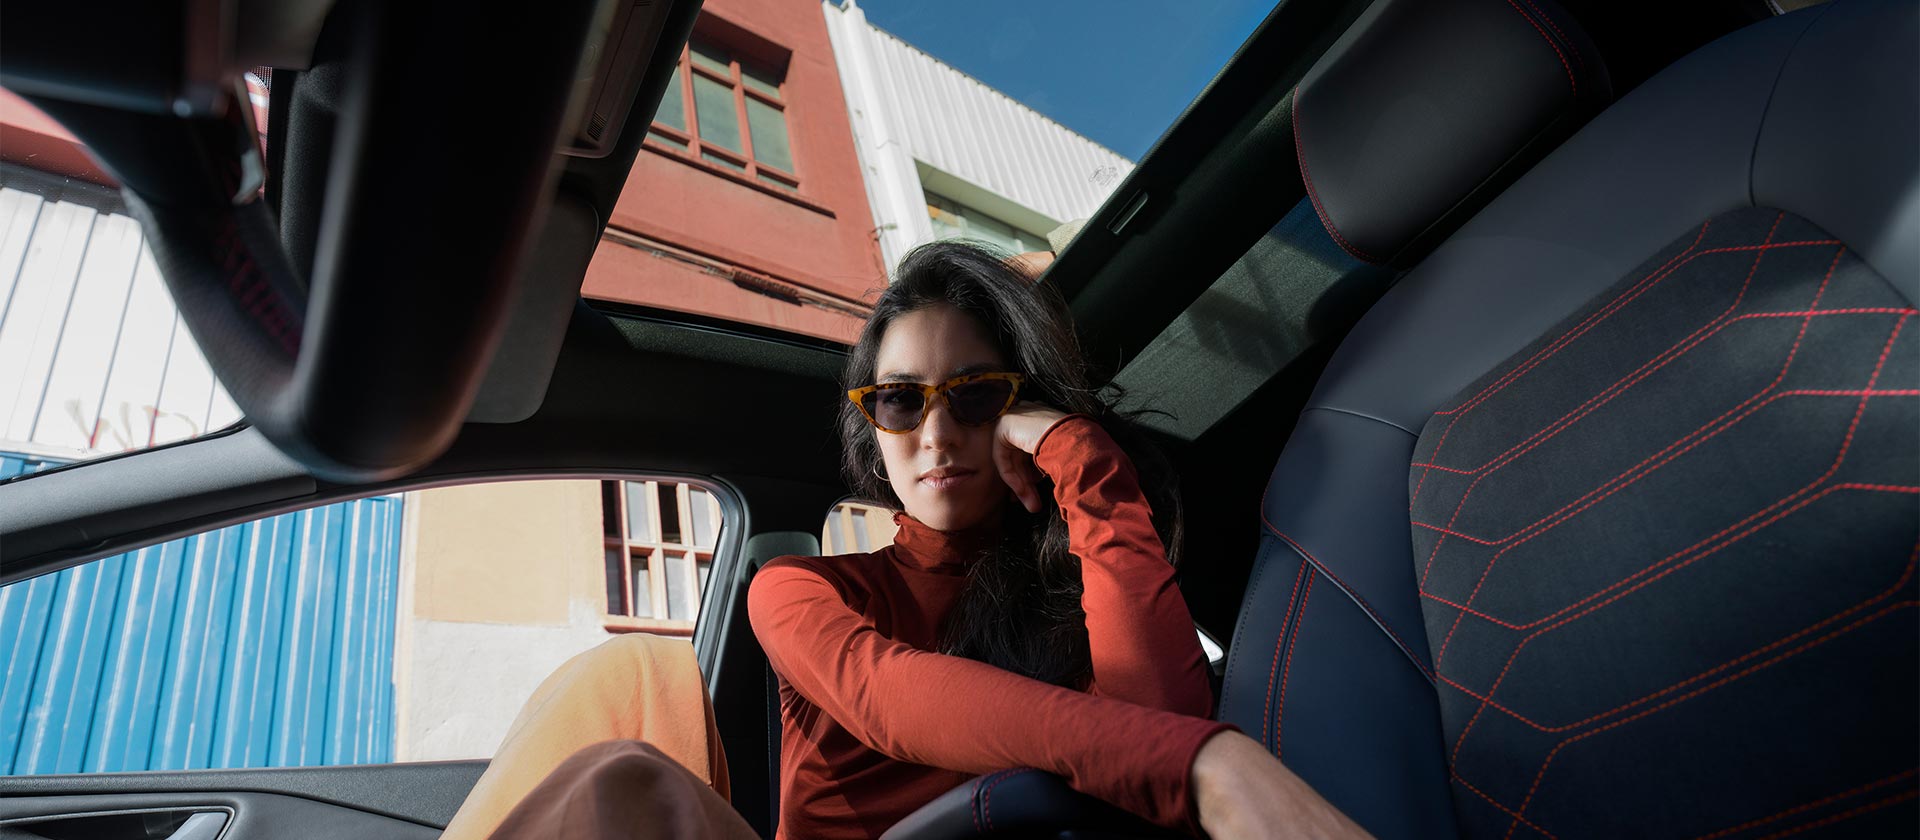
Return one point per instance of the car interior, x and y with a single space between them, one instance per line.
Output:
1635 278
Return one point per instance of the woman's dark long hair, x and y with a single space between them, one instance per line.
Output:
1020 610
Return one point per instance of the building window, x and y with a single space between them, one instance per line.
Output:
729 113
660 537
953 220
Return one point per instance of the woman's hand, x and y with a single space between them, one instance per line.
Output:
1244 792
1016 437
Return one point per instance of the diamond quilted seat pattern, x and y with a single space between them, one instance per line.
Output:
1735 422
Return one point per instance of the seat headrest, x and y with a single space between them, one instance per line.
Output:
1425 109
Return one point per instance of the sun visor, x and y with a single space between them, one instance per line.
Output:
1425 109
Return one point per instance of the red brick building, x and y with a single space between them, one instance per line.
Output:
746 202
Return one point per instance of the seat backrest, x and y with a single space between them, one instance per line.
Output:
1602 521
1416 117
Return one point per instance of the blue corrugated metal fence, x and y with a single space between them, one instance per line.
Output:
268 644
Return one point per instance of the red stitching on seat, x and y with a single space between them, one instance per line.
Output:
1563 36
1297 624
1906 574
1593 320
1613 390
986 798
1592 404
1351 594
977 828
1717 427
1796 392
1492 619
1266 712
1845 444
1808 806
1671 355
1562 343
1501 678
1711 328
1541 355
1847 814
1550 44
1839 458
1548 762
1300 158
1494 802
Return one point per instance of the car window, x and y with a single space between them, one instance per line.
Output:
402 627
93 358
857 527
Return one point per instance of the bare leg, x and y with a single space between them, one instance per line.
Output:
633 688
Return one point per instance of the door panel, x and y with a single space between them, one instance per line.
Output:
367 801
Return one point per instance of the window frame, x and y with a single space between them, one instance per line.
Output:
751 170
616 519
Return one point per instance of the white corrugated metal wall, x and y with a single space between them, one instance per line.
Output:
93 358
911 112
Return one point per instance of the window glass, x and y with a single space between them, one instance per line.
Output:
616 584
668 140
639 512
723 161
769 131
712 58
404 627
672 512
775 181
759 80
673 104
713 105
861 539
94 359
953 220
706 517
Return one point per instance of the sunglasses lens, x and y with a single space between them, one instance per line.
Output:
896 409
978 403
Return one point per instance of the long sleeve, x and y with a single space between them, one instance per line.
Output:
1143 643
926 708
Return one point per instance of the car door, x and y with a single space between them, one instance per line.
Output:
344 667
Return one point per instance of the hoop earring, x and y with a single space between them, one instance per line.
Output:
879 475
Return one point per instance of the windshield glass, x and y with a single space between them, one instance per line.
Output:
93 359
801 150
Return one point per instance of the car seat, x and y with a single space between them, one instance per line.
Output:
1602 521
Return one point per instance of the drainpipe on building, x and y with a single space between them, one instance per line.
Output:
892 182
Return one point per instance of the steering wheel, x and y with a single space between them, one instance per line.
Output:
356 344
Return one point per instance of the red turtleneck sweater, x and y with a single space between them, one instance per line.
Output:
874 725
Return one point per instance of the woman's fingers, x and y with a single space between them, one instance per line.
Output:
1014 467
1026 423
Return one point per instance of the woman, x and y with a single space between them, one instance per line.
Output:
1026 615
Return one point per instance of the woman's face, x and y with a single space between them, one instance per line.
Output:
942 471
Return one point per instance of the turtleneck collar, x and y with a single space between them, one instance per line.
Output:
925 548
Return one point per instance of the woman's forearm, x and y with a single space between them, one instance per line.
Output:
1143 645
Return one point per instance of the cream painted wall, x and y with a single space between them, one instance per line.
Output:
501 583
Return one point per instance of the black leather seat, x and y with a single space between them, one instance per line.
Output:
1602 521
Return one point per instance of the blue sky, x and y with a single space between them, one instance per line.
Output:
1117 71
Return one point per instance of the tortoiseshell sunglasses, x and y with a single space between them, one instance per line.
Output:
900 407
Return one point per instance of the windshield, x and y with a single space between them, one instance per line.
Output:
93 359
